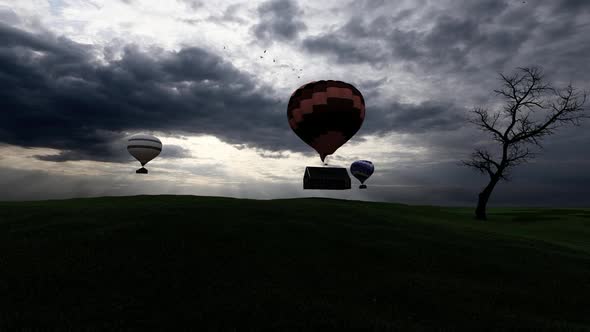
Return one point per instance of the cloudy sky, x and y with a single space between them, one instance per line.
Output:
77 77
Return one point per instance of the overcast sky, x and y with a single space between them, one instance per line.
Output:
77 77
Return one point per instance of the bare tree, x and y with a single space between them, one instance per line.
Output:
518 125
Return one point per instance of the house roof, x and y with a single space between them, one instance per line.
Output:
326 172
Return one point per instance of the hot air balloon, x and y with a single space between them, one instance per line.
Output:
144 148
362 170
326 114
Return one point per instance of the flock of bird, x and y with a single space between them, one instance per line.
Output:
266 55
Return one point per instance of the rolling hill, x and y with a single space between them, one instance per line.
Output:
215 263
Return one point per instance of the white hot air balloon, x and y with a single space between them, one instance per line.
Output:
144 148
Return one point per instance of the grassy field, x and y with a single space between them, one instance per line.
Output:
290 265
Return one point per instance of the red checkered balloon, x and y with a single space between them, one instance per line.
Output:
326 114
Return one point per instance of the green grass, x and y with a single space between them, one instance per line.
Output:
290 265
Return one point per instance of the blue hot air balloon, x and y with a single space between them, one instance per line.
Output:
362 170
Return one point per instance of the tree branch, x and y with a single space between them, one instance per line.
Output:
482 161
482 120
569 108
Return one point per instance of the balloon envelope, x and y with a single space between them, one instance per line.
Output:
362 170
326 114
144 147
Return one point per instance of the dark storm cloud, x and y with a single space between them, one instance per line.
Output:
279 20
342 50
450 44
94 145
56 95
355 42
15 42
572 6
467 38
413 118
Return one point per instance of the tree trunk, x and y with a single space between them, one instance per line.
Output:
484 196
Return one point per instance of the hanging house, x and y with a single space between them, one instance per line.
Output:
332 178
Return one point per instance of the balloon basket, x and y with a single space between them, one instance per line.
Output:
142 171
363 186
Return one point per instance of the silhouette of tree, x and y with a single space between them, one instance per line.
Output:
517 126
